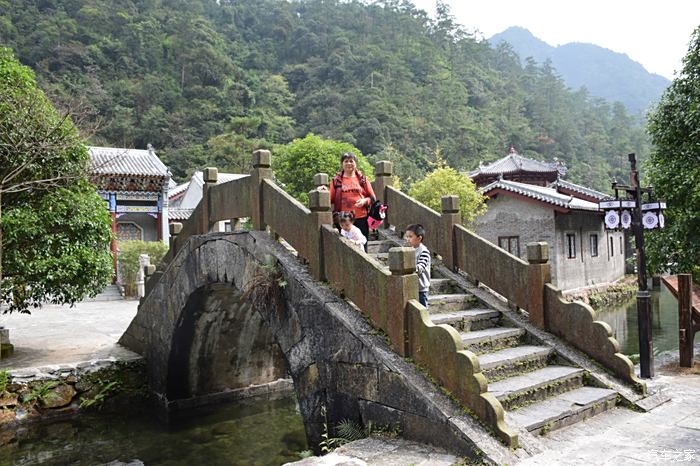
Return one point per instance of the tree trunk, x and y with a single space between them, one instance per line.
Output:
0 238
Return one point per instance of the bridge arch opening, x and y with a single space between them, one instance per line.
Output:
221 344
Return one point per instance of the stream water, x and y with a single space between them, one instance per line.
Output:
623 320
261 432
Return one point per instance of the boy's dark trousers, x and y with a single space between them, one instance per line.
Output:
423 298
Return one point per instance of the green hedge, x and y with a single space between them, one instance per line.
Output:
129 252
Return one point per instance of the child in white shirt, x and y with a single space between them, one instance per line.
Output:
350 231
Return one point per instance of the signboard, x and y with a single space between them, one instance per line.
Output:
123 209
614 204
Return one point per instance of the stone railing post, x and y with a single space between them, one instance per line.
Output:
211 176
262 160
144 260
383 171
402 288
321 179
149 271
449 218
538 274
174 229
320 207
235 224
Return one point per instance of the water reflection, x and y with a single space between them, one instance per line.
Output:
664 320
255 433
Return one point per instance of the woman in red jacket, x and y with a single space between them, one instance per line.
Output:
351 191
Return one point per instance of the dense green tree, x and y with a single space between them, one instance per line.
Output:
374 74
297 162
674 169
54 228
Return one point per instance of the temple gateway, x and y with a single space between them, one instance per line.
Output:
134 182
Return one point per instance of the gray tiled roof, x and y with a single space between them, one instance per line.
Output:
541 193
118 161
580 189
179 214
513 163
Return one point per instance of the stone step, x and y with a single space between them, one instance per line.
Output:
536 385
468 319
441 303
110 293
511 361
380 256
443 286
563 410
379 246
491 339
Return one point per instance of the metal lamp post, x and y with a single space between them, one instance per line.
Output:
626 213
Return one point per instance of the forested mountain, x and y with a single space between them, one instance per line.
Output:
607 74
208 81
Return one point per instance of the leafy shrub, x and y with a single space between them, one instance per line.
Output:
129 252
446 181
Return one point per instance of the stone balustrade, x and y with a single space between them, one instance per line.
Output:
388 297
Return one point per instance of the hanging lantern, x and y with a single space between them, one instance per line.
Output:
650 220
625 219
626 214
612 219
612 216
651 210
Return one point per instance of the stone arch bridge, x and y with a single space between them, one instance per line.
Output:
230 310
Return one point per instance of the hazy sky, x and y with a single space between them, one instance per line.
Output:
652 32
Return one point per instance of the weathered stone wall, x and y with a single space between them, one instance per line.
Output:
405 210
334 356
230 200
34 394
495 267
575 322
584 269
222 344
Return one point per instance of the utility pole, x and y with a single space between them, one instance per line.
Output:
653 218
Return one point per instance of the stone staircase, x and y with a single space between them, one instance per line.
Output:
110 293
539 389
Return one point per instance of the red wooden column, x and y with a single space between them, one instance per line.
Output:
113 246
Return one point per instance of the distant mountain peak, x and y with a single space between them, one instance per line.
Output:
611 75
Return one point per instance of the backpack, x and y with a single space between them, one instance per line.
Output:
376 214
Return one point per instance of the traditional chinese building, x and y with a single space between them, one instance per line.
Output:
529 202
134 182
514 167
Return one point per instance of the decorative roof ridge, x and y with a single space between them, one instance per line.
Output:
531 191
581 189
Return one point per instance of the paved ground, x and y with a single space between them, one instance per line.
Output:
61 334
